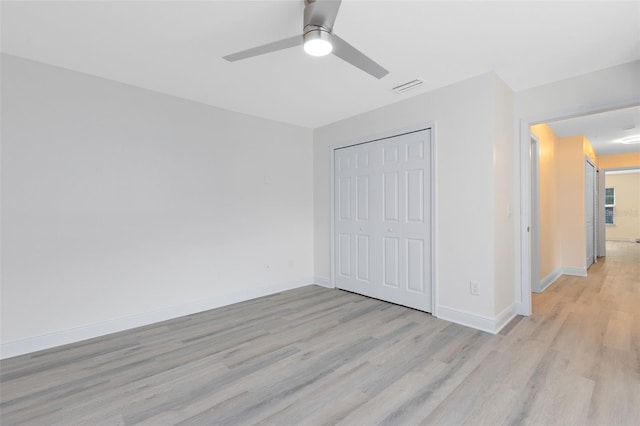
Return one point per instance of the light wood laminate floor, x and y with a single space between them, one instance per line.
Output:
319 356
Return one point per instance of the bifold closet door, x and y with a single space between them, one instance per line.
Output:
382 219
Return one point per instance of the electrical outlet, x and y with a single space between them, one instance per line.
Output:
474 288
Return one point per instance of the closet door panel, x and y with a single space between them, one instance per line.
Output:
382 219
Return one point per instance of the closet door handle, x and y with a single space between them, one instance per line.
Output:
390 229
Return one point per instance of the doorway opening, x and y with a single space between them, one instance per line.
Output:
586 139
621 207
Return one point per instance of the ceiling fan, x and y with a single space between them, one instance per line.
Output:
318 39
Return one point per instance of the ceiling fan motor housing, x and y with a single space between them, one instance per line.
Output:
316 32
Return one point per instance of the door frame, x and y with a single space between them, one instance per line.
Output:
534 150
429 125
523 160
594 188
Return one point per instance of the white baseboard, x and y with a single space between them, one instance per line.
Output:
549 279
323 281
505 317
574 270
563 270
491 325
626 240
83 332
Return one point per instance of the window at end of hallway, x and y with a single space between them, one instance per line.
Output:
609 206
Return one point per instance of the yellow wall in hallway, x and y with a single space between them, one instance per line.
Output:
570 172
619 161
588 150
550 246
562 199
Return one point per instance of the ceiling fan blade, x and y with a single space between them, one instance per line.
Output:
321 12
346 52
265 48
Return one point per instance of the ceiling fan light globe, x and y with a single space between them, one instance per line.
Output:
317 42
318 47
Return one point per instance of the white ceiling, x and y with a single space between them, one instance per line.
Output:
176 47
603 129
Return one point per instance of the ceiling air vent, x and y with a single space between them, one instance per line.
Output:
401 88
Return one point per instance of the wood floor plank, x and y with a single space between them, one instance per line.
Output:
319 356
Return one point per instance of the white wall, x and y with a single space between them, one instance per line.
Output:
122 206
467 117
609 88
504 202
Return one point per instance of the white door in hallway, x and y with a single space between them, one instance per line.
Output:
382 219
591 186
